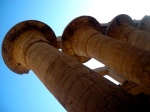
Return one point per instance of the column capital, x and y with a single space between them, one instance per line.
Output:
118 21
14 33
145 23
71 29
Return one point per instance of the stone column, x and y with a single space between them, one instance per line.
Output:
29 45
82 37
145 24
122 28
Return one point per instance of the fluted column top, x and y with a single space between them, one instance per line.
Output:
14 33
71 29
118 21
145 23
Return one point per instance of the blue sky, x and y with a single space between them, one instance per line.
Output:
25 93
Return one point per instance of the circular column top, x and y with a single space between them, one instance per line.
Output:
118 21
145 24
70 30
13 34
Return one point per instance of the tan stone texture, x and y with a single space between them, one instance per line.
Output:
132 62
122 28
76 87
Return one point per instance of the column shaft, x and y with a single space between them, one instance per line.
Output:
127 60
75 86
131 35
122 28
